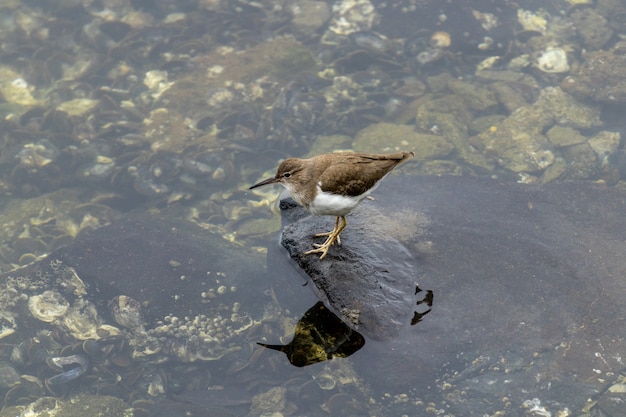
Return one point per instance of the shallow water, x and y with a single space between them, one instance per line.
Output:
114 110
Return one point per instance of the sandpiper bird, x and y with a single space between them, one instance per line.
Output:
334 184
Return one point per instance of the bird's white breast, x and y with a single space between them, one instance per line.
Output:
334 204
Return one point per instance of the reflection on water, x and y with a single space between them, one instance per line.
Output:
426 304
319 336
114 109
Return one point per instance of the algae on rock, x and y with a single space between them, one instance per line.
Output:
389 137
518 143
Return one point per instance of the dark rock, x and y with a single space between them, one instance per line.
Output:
162 264
389 291
527 287
186 292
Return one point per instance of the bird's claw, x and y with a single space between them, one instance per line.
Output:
329 234
323 247
333 236
323 250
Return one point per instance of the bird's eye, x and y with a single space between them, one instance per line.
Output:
287 174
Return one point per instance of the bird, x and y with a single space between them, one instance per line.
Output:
334 184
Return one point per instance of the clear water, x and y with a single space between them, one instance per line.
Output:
169 159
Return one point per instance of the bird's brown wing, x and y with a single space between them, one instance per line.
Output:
356 173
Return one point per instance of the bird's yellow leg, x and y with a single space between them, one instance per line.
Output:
343 225
323 248
330 234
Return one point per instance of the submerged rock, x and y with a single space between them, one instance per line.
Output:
518 142
396 137
172 288
599 78
526 289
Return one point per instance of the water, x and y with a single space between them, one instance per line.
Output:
117 109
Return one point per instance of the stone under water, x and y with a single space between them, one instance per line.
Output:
178 292
527 286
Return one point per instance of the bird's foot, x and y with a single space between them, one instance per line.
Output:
332 235
330 240
323 248
329 234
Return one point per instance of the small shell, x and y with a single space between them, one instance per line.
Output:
488 21
37 154
82 320
325 381
552 60
48 306
341 404
27 258
352 16
7 324
127 312
534 21
487 63
440 39
429 56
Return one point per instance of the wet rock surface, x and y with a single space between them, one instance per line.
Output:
526 281
389 292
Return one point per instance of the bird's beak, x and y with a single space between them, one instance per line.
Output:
272 180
